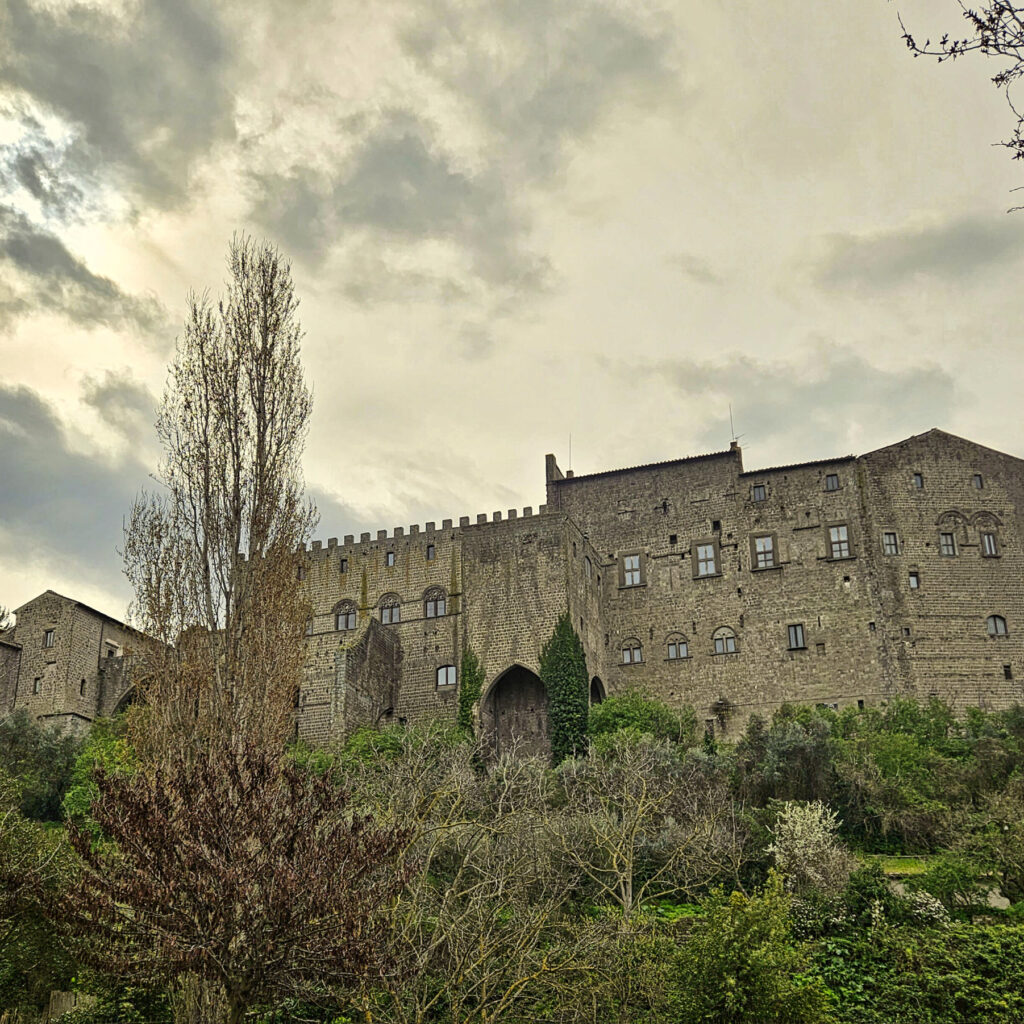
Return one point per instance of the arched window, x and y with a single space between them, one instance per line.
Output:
446 676
632 652
390 609
725 640
996 625
677 647
434 603
345 615
588 566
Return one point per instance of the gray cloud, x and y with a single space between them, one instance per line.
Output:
40 273
960 248
531 81
147 94
695 268
816 406
56 503
123 403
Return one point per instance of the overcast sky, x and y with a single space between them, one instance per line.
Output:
509 222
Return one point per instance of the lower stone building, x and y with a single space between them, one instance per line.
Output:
841 581
64 662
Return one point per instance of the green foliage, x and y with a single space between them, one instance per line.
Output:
106 747
633 714
959 975
741 965
121 1004
563 670
956 883
41 760
471 685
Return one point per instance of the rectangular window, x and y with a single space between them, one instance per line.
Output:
947 544
346 620
838 542
978 482
758 492
48 637
915 580
343 565
796 637
764 552
37 684
430 552
309 627
725 644
632 654
390 558
706 560
820 648
631 571
890 544
831 481
677 649
989 548
446 675
300 572
390 613
918 482
1007 672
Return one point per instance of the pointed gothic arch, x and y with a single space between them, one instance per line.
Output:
514 712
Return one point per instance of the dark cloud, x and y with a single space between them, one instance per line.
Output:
123 403
957 249
39 273
145 95
814 406
57 504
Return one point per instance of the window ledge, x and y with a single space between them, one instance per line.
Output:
793 650
765 568
709 576
838 558
632 586
724 654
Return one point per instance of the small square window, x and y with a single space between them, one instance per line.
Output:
871 627
430 552
890 544
978 481
906 631
673 538
796 637
915 580
389 558
758 492
918 482
343 565
947 544
446 676
989 548
831 481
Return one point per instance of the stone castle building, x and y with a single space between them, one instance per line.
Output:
839 582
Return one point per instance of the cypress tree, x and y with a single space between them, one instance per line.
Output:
563 671
471 684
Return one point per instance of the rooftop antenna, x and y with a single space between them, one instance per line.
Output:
733 436
570 449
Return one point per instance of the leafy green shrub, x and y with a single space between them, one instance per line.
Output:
471 685
956 883
742 966
634 714
41 760
105 747
563 671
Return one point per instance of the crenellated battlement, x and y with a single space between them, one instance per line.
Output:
367 541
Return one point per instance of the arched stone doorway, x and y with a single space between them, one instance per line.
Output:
129 698
596 691
517 711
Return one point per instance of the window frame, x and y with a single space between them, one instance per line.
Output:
836 544
635 650
451 677
886 534
678 643
917 481
829 478
914 579
795 631
390 608
49 639
978 482
995 625
758 493
389 559
632 575
726 636
757 562
989 538
947 544
698 560
346 609
435 603
431 552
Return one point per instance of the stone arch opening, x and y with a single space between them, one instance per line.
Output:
130 697
516 713
597 693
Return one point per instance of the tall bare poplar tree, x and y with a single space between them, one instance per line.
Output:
211 554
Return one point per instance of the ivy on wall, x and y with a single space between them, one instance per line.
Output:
563 671
471 684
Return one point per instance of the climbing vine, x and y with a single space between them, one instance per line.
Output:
563 671
471 676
